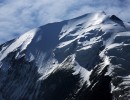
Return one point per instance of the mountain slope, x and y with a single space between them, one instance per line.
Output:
85 58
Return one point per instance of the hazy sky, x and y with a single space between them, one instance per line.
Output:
19 16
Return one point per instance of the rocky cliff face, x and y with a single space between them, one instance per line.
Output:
85 58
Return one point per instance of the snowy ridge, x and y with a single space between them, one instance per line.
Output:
22 42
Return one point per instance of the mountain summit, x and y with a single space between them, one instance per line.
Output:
85 58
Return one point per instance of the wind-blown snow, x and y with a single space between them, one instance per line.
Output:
21 42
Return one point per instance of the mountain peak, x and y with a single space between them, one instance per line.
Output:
82 58
115 18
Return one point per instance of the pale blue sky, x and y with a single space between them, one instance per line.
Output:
19 16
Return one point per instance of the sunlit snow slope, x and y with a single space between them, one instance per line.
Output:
85 58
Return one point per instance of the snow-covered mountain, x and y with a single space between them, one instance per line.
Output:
85 58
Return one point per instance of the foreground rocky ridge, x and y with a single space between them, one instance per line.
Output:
85 58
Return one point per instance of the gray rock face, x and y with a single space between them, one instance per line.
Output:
85 58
